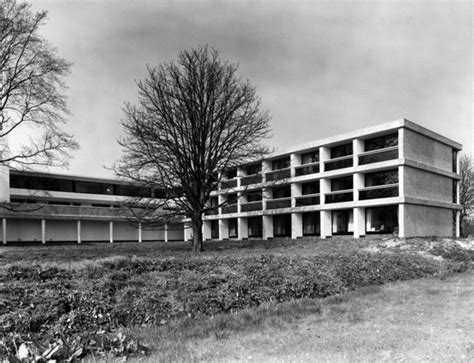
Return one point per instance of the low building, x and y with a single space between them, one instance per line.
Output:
395 178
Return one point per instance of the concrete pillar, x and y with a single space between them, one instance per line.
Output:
359 222
295 160
79 232
266 167
43 231
111 232
401 181
401 220
4 231
458 224
359 183
221 199
296 191
139 233
401 143
241 199
188 232
266 194
324 155
296 225
166 232
223 229
324 187
357 148
243 227
4 180
267 227
206 229
326 224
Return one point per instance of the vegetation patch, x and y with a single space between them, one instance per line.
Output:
66 312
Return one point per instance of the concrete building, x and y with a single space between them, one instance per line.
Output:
397 177
43 207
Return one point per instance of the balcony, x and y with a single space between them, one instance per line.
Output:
379 191
251 179
339 163
211 212
66 211
308 200
251 206
279 203
230 183
232 208
379 155
339 196
278 174
307 169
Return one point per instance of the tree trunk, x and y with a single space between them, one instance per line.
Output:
197 235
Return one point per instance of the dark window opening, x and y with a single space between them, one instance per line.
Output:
381 178
281 192
255 227
282 163
282 225
338 164
342 222
381 219
231 173
310 188
311 157
311 224
215 229
254 196
455 161
341 150
342 183
455 191
381 142
253 169
232 225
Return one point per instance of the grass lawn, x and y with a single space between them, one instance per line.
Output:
248 300
427 320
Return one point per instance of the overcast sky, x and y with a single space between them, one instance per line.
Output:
321 68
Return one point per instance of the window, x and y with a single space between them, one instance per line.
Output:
381 178
255 227
381 219
342 183
455 161
231 173
381 142
254 196
282 225
311 224
310 188
253 169
282 163
455 191
232 198
215 229
232 224
341 150
282 192
311 157
342 222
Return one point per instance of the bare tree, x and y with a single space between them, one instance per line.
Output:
31 102
466 188
195 119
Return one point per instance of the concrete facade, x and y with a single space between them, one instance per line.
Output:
395 178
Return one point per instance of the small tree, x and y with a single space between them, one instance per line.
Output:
195 118
30 90
466 188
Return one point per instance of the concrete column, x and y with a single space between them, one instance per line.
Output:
221 199
401 220
295 160
401 181
111 232
206 230
43 231
4 179
243 227
458 224
4 231
267 227
79 232
240 173
326 224
359 183
139 233
401 143
296 225
223 229
357 148
266 167
324 155
296 191
359 222
266 194
241 199
324 187
166 232
188 232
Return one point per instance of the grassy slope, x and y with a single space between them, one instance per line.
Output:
420 320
